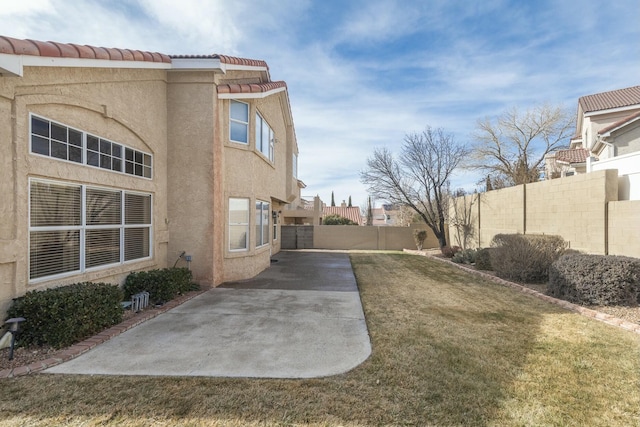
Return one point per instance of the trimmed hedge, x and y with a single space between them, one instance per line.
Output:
483 259
525 258
162 285
62 316
596 279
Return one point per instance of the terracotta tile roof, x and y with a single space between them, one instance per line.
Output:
619 123
352 213
50 49
251 87
612 99
576 155
225 59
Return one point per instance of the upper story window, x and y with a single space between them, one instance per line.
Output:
239 122
264 137
59 141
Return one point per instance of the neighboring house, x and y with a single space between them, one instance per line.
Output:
607 127
350 212
118 160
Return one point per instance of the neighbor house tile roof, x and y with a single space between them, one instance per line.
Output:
612 99
352 213
251 87
576 155
49 49
619 123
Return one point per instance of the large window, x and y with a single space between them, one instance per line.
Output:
76 227
264 137
56 140
239 122
262 223
238 224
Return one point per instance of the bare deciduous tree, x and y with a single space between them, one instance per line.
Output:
419 178
513 146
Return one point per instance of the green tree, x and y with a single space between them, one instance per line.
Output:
333 200
335 219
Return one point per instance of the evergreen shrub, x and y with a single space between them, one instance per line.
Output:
162 285
62 316
596 279
525 258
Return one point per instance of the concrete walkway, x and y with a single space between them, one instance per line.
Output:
300 318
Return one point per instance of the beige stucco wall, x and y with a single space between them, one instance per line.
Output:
624 228
102 102
343 237
192 177
627 140
249 174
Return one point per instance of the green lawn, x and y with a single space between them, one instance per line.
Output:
448 349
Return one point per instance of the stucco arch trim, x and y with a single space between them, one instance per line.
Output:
103 110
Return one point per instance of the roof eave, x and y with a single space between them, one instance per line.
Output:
251 95
14 64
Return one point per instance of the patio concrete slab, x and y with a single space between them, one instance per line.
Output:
300 318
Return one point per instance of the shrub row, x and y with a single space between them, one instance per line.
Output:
450 251
465 256
62 316
596 279
525 258
483 259
162 285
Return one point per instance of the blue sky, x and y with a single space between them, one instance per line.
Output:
362 74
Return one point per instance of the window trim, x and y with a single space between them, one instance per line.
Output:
84 227
238 224
266 148
262 237
234 120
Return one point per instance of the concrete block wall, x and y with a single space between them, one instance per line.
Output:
500 211
573 207
344 237
583 209
624 228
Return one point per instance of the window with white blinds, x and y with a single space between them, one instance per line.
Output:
73 228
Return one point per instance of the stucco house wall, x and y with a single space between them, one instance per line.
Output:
108 107
173 109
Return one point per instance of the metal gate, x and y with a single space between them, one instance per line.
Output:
297 236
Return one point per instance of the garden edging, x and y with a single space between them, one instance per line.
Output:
597 315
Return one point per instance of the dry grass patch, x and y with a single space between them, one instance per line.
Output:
448 349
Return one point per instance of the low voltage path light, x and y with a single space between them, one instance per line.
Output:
14 328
